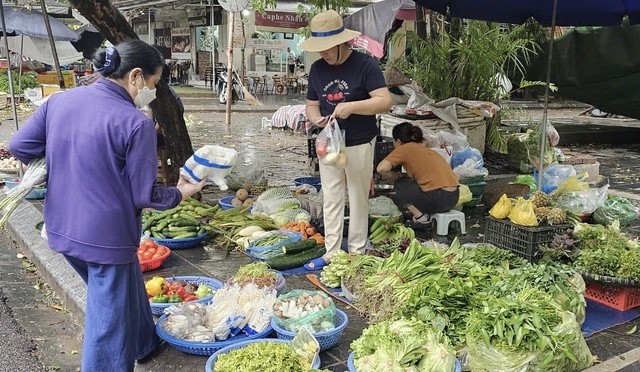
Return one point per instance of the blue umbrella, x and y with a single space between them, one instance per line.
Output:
569 12
31 23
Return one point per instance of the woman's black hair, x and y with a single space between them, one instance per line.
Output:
407 132
116 62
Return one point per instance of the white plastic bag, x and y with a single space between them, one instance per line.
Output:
330 145
210 162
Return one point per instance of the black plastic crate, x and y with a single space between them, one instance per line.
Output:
311 148
384 146
523 241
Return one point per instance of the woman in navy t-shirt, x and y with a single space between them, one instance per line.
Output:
350 87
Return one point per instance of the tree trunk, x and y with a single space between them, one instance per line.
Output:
115 28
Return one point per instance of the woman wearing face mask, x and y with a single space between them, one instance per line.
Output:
349 86
100 154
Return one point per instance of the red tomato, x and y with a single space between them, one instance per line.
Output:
152 249
330 96
156 255
140 258
148 243
162 250
147 255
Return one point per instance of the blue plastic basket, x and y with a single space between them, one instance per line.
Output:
204 348
352 367
176 244
212 359
326 339
313 181
225 203
158 308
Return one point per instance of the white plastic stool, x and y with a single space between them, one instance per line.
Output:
444 219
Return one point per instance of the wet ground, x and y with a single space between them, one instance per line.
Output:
283 156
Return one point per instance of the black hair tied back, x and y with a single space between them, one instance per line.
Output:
407 132
106 61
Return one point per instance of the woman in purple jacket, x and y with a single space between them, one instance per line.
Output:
101 162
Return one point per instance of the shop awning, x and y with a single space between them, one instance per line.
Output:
569 12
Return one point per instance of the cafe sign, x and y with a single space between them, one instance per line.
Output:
271 20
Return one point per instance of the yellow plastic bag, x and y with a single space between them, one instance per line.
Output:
502 208
465 195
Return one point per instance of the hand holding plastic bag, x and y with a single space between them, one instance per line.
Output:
330 145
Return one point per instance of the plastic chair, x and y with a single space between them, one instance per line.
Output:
279 85
444 219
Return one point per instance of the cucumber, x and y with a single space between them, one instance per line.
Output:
289 261
299 246
186 222
190 234
183 229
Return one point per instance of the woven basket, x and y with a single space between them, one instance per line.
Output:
326 339
154 263
212 359
204 348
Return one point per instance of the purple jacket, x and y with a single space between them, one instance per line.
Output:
102 167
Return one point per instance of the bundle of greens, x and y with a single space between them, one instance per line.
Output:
526 331
260 356
404 344
35 175
606 251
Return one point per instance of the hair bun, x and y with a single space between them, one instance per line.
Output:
111 61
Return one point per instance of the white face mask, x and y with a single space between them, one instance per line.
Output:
145 96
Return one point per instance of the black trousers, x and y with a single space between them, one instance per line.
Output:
408 192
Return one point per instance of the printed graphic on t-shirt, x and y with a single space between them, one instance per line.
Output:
336 91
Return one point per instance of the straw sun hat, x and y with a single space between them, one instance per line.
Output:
327 31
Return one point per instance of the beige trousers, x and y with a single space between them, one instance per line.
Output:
355 178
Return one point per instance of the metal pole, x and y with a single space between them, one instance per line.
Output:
20 64
149 27
53 44
232 17
543 129
11 91
421 25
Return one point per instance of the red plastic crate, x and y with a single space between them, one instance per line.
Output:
617 297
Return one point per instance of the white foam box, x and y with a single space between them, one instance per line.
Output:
33 94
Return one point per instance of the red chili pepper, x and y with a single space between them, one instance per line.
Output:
182 292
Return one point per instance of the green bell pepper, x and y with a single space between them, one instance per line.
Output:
161 299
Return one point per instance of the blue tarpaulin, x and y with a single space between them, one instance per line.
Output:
569 12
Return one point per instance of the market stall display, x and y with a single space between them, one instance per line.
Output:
259 274
235 314
327 339
166 292
257 355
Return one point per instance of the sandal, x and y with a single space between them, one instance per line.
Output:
425 219
315 264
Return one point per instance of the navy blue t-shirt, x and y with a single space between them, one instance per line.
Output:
350 81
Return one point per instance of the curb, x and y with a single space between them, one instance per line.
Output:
51 265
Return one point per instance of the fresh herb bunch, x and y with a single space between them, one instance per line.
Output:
563 247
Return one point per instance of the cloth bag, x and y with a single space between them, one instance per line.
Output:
210 162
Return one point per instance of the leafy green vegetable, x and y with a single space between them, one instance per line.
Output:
400 344
27 81
259 356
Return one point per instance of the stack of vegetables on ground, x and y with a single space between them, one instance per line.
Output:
403 345
387 228
279 204
450 288
183 221
306 229
233 228
233 309
161 290
296 254
598 250
311 309
257 273
331 274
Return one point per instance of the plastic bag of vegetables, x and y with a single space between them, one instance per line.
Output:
615 208
300 308
330 145
306 346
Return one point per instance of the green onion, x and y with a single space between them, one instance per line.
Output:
35 175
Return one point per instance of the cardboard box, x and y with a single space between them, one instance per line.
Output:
49 89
